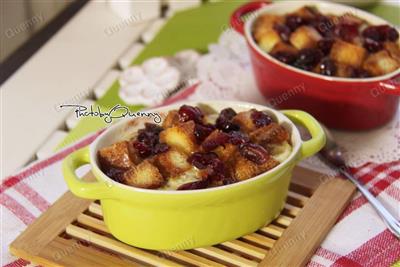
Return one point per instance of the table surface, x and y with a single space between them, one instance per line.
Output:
78 55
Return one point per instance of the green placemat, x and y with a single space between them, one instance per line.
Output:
190 29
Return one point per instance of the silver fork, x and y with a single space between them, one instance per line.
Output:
333 156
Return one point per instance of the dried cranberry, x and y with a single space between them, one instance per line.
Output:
260 119
381 33
372 46
373 33
285 57
323 25
237 138
187 113
327 67
202 131
218 139
284 31
294 21
143 149
254 153
228 180
308 58
194 185
392 34
114 173
202 160
325 45
347 31
360 73
160 148
224 120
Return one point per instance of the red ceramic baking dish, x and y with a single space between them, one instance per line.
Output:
342 103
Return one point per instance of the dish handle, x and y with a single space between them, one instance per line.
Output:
236 20
90 190
318 138
391 86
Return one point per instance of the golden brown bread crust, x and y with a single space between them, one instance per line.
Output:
226 152
180 137
305 37
172 163
171 119
144 175
116 156
271 133
348 54
244 169
243 119
380 63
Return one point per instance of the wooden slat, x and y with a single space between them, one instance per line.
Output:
245 249
283 220
291 210
118 246
225 256
180 255
272 230
310 227
296 199
259 239
96 209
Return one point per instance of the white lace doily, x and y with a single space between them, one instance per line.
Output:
226 73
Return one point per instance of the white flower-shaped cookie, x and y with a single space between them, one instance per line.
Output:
148 83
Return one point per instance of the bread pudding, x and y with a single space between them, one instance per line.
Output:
195 148
340 46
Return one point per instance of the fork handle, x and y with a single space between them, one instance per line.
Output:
388 218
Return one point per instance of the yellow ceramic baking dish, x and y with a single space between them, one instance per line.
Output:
176 220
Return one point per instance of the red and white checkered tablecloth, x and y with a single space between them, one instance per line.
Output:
359 238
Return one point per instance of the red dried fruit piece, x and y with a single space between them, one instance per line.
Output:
294 21
347 31
160 148
202 160
260 119
194 185
285 57
308 58
284 31
187 113
327 67
238 138
381 33
144 150
224 120
371 45
325 45
254 153
201 131
215 139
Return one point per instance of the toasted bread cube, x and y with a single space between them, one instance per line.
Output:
305 12
284 47
116 156
243 119
144 175
343 70
394 50
245 169
380 63
271 133
226 152
305 37
266 22
348 54
171 119
180 137
268 40
172 163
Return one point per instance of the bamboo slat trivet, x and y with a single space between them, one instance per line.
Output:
72 233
